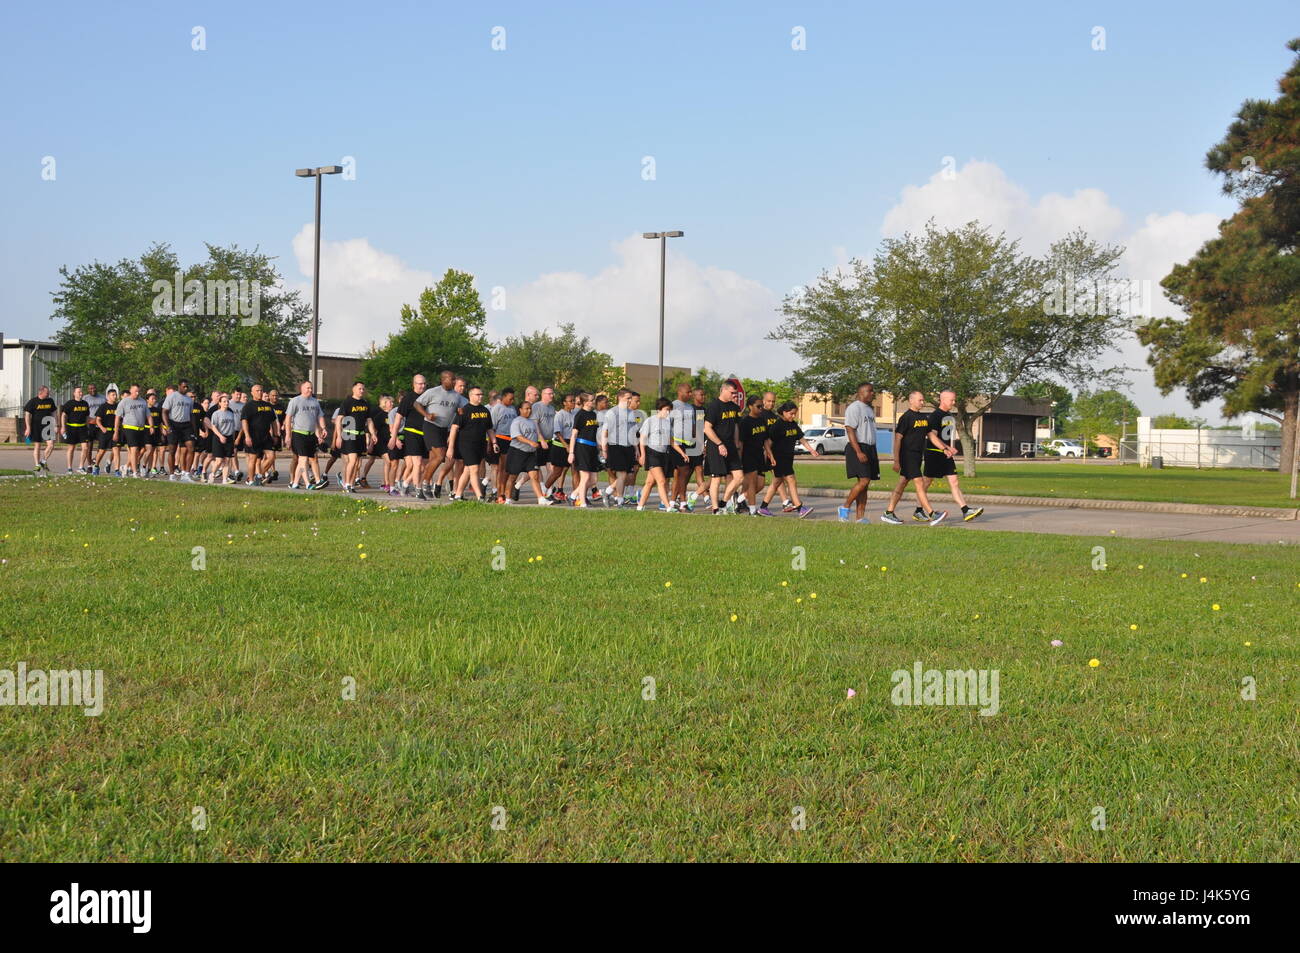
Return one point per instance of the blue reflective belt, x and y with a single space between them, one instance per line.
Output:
590 443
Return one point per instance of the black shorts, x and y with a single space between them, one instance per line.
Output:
304 444
503 451
259 444
784 466
716 465
435 437
559 456
586 458
471 453
223 451
619 459
753 461
659 458
106 441
355 444
855 469
396 453
179 434
134 438
520 461
157 438
413 443
76 435
690 463
909 463
380 449
938 464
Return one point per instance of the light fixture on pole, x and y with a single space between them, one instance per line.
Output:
315 271
663 264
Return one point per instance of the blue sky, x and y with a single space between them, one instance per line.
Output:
524 166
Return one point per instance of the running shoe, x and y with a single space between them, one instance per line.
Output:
971 512
763 511
863 520
805 511
437 491
662 509
891 519
320 484
844 514
545 502
937 517
514 494
788 508
420 494
293 486
918 515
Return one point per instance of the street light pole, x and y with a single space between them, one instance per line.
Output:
663 269
315 270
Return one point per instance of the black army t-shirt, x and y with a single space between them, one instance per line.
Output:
42 411
914 430
474 423
785 434
723 417
943 423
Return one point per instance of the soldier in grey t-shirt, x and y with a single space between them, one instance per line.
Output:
134 420
860 460
306 430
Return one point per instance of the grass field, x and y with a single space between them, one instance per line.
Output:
1084 481
523 688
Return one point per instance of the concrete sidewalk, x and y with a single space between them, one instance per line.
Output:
999 516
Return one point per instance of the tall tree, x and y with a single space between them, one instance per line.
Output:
1049 392
221 322
446 331
958 308
565 361
1101 412
1241 340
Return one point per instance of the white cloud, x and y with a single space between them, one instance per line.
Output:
362 290
712 317
981 190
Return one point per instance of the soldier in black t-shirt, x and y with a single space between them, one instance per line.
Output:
940 455
722 448
75 418
41 419
755 451
469 437
784 434
354 434
106 423
584 452
911 436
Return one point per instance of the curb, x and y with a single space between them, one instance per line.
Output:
1136 506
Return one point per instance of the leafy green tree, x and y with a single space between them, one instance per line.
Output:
134 322
1241 292
1175 422
1101 412
565 361
961 309
446 332
783 390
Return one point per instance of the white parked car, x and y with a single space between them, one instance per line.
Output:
1065 448
825 439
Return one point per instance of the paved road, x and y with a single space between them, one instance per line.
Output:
997 517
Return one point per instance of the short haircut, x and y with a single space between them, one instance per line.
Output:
753 399
866 384
788 406
662 402
507 390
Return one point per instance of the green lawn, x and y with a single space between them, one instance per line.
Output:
523 688
1098 482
